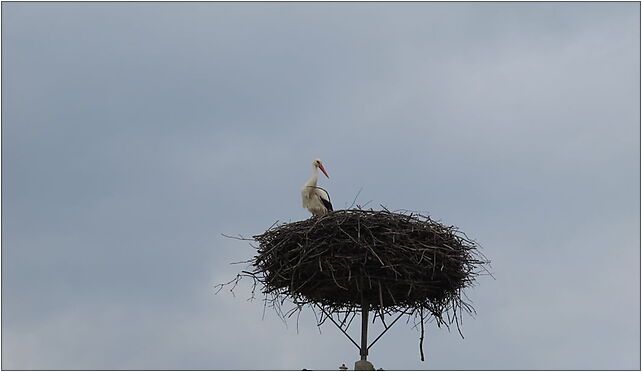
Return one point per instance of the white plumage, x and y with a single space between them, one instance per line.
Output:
316 199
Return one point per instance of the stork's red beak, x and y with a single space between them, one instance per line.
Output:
323 170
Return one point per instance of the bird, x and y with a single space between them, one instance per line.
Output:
315 199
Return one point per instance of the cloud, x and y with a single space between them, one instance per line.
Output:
135 134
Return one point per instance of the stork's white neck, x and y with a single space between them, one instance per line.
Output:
315 175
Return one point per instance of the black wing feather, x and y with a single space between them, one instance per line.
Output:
326 203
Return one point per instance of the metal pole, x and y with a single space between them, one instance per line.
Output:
364 329
363 364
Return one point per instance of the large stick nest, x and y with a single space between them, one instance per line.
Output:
391 262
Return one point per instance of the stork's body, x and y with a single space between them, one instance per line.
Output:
316 199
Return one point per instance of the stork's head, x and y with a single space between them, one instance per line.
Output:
317 164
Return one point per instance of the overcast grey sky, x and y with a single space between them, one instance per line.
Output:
134 134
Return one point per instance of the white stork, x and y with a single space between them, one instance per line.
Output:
316 199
